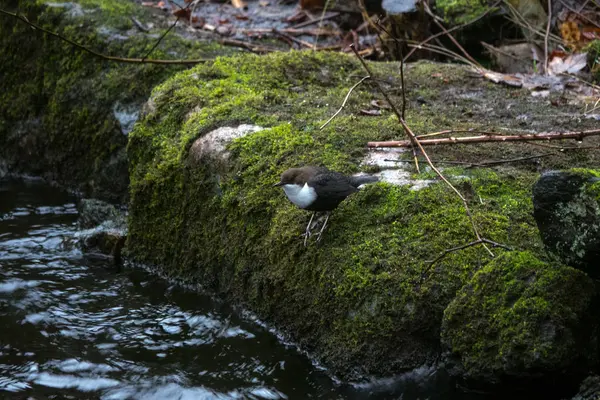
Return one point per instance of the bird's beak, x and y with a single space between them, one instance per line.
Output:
278 184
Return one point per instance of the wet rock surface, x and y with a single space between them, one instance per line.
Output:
104 231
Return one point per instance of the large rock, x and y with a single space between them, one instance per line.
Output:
65 114
589 389
366 300
519 319
566 206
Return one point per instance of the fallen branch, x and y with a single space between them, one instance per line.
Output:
546 136
99 55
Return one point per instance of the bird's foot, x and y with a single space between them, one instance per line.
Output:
307 233
320 233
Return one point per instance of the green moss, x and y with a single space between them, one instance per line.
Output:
58 104
593 50
366 298
520 314
461 11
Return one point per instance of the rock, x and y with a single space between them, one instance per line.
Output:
566 206
365 300
520 319
94 212
65 114
589 389
104 231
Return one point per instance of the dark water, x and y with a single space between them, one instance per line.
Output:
72 330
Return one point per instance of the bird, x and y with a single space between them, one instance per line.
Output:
318 189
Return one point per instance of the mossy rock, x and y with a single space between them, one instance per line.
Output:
366 300
64 114
567 211
521 317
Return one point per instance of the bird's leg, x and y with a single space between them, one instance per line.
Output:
320 234
307 233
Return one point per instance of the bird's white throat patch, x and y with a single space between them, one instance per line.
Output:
302 196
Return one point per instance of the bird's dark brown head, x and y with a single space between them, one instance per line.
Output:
291 176
298 176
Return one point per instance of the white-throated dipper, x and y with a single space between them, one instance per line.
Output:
319 189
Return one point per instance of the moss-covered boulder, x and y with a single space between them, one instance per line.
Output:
65 114
566 207
366 300
520 317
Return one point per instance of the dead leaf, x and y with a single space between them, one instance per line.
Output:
573 63
239 4
183 13
241 17
371 113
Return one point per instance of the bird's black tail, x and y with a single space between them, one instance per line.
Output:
356 181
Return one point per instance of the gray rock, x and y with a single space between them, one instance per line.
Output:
566 207
93 212
589 389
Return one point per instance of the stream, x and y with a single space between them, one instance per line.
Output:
72 329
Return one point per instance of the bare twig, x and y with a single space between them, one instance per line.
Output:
139 25
99 55
481 241
292 39
418 46
416 141
345 100
580 14
483 163
315 21
162 37
292 31
399 46
439 24
545 136
546 37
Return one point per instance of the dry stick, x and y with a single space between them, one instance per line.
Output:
545 136
292 31
522 22
344 103
562 148
292 39
546 37
380 27
161 38
438 23
410 133
484 163
314 21
464 246
580 15
418 46
94 53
